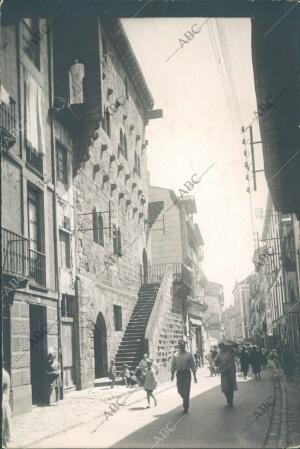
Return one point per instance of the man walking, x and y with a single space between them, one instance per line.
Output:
183 362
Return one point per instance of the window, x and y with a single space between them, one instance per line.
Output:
126 89
98 234
31 37
106 122
34 129
65 248
62 165
67 306
118 318
33 220
121 141
125 147
117 241
138 166
37 260
135 165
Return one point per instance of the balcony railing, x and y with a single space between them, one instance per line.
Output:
8 123
20 261
8 116
14 254
156 273
37 267
34 158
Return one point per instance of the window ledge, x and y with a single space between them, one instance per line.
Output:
34 170
35 286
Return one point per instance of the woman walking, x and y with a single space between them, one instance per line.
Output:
288 362
211 362
255 360
244 358
150 382
226 364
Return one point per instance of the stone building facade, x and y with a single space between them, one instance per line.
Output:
31 312
75 193
110 182
176 241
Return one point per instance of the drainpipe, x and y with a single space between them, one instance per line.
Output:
56 239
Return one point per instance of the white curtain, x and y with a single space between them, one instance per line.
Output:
34 117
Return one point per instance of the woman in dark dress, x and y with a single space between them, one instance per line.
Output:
244 358
255 360
225 362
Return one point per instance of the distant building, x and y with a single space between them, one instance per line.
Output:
212 317
241 295
176 241
229 323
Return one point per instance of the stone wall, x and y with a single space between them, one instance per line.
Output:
165 327
101 184
165 248
16 174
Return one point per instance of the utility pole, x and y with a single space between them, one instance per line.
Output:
253 158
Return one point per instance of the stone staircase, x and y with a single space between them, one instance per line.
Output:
132 346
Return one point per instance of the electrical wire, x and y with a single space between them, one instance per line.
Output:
219 67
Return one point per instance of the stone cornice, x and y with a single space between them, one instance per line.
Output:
116 33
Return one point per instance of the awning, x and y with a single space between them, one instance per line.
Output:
196 321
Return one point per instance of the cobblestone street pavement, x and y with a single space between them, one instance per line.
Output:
77 408
210 422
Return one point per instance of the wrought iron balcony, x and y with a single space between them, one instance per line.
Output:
14 254
8 124
20 262
33 158
37 267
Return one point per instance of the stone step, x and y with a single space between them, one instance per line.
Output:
105 382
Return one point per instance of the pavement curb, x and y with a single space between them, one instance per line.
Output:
267 433
283 440
73 426
283 433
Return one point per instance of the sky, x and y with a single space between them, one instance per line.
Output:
206 96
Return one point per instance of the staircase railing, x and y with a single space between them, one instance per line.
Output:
158 313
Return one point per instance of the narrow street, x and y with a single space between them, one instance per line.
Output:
210 422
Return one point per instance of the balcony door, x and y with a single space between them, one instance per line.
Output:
145 267
33 220
37 271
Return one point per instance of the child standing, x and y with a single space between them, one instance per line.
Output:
125 374
150 382
112 373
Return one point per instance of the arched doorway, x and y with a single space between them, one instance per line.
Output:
100 347
145 267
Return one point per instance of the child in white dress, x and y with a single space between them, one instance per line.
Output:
150 382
